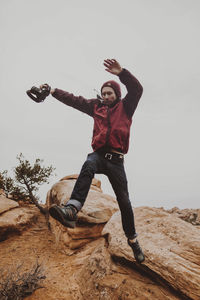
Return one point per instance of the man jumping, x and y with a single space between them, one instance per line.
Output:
112 121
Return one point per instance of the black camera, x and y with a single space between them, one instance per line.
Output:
39 94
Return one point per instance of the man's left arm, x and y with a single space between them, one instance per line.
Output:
134 89
133 86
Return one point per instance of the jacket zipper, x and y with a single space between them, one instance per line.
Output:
109 126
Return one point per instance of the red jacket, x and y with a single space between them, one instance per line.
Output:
111 123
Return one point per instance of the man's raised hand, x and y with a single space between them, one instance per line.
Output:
112 66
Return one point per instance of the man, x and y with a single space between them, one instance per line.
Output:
112 121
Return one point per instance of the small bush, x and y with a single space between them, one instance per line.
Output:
27 180
18 284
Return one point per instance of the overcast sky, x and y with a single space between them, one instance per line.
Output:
64 43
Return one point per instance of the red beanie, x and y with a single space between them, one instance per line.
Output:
114 85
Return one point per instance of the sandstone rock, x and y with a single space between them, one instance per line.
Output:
189 215
86 273
77 237
92 273
2 192
98 207
96 184
101 278
16 220
6 204
198 217
171 247
96 211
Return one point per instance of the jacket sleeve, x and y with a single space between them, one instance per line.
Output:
77 102
134 90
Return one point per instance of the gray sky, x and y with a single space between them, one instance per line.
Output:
64 43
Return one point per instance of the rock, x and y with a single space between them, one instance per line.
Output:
2 192
96 211
171 247
6 204
102 278
77 237
98 208
96 184
94 261
87 273
189 215
16 220
198 217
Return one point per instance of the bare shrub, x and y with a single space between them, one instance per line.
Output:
16 285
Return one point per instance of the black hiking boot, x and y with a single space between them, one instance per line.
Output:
66 215
137 251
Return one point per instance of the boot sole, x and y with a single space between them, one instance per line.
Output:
135 255
140 261
57 214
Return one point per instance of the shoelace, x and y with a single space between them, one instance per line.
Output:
70 211
137 247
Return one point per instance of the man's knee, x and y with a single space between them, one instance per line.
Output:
89 168
124 201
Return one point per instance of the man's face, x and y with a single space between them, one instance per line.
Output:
108 95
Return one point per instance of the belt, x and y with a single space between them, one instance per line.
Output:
112 156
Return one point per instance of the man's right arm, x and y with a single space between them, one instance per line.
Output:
77 102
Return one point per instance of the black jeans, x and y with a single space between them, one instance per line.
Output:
96 163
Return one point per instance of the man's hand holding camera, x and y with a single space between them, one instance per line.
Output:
39 94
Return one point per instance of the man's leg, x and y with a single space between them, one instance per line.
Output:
117 177
67 215
84 180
